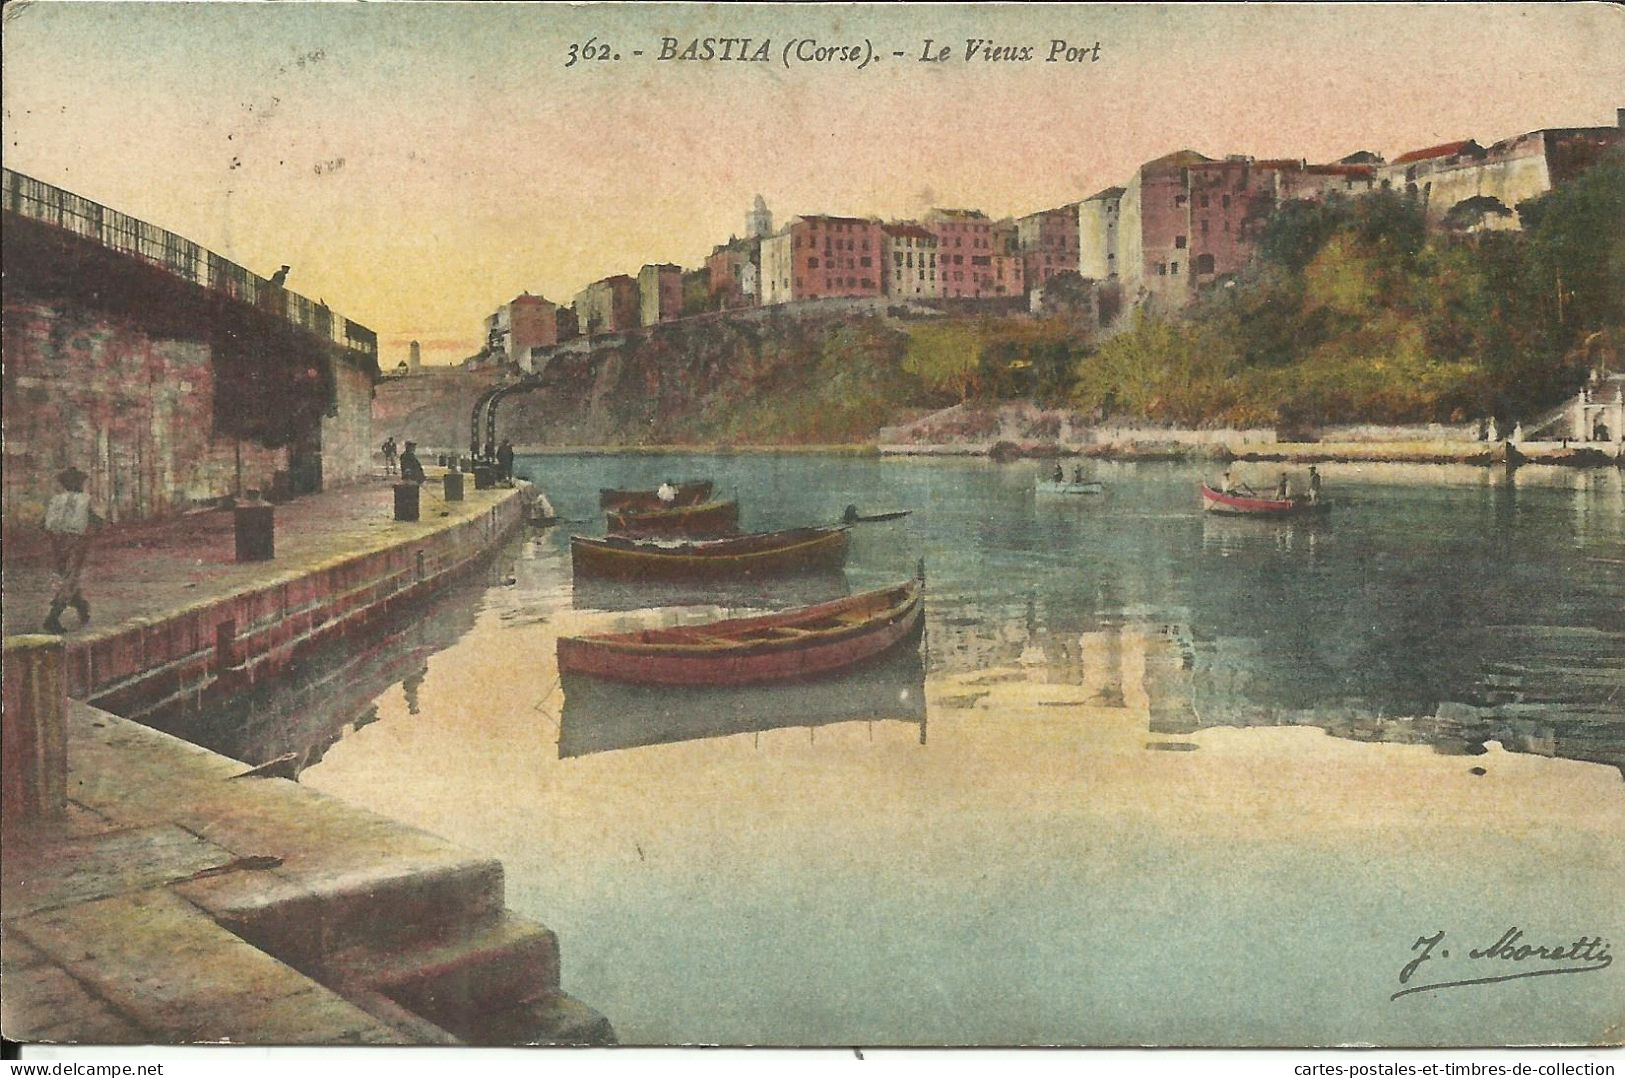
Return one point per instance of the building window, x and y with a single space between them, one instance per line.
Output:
1204 202
1179 243
866 261
812 263
1204 263
1224 201
1204 226
1173 269
1179 200
1162 269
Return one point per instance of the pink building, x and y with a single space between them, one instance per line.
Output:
822 257
533 323
1229 202
972 261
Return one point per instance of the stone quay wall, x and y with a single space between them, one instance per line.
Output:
185 661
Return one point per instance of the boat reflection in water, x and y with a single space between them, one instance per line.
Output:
602 716
772 593
1227 532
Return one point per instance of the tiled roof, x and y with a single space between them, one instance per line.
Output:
1444 149
835 219
1178 159
911 230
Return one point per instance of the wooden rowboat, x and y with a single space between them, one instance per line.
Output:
691 492
740 556
1050 487
607 716
1242 505
761 593
792 645
705 520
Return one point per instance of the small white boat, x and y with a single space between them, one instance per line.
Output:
1065 488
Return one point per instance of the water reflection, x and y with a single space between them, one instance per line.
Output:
1483 607
800 589
606 716
336 690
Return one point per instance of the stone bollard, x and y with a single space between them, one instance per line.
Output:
406 501
255 526
454 486
34 742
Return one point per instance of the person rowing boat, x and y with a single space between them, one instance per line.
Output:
1230 486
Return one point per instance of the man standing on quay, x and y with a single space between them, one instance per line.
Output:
68 520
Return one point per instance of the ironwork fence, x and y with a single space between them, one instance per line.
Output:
41 201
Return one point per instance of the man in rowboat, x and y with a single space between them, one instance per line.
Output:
1314 485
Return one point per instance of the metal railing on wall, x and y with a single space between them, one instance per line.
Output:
41 201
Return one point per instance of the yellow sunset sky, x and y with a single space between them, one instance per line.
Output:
419 164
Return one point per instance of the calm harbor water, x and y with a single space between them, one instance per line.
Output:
1157 778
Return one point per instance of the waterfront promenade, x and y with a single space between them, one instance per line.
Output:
148 569
172 900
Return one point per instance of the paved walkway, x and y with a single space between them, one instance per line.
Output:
114 914
147 569
177 902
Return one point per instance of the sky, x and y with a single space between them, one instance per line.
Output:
419 164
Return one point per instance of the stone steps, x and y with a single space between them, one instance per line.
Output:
492 982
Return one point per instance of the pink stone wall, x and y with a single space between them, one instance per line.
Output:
1229 202
133 411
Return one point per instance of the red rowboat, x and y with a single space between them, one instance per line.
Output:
1253 506
740 556
692 492
796 644
705 520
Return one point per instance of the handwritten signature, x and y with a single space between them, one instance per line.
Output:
1508 957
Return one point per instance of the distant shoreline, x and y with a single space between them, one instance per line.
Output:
1476 454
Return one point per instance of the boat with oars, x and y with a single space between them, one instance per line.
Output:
704 520
795 644
757 554
1250 504
689 492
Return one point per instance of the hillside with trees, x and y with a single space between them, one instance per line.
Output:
1353 311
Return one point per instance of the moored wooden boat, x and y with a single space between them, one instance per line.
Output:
758 592
689 492
1245 505
705 520
1069 488
600 715
740 556
803 643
